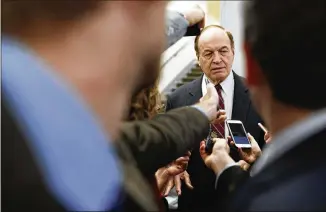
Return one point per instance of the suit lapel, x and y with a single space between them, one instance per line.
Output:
241 100
194 92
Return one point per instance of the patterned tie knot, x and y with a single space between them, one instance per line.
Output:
218 87
219 128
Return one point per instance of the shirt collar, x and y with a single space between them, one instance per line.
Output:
289 138
227 85
71 149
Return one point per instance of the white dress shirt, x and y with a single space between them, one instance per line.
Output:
227 94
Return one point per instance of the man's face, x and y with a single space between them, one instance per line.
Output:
215 54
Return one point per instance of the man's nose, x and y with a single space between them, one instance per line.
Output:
217 58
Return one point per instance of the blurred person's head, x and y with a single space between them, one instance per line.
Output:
284 44
145 104
215 52
98 47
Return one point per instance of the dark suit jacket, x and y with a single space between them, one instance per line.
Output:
144 147
203 179
22 184
293 182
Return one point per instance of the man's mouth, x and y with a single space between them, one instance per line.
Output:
217 68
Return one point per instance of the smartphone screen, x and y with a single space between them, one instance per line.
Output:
239 134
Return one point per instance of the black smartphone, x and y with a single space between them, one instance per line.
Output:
193 30
209 142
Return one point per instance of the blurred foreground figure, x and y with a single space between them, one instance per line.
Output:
284 44
68 73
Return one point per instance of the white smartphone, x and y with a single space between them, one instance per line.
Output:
262 127
238 133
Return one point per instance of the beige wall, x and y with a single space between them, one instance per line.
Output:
214 10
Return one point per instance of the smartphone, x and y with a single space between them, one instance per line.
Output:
209 142
193 30
238 133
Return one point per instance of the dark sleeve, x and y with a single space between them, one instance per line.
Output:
176 27
157 142
228 183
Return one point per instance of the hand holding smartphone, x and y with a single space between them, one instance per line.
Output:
238 134
209 142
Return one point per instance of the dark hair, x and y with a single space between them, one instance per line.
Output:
288 39
229 34
22 13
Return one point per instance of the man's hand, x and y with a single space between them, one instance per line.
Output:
220 145
195 15
220 117
267 137
250 155
243 164
164 174
176 181
209 103
219 158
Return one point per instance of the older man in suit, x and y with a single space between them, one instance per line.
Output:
215 52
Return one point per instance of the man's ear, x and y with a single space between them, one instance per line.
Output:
198 61
253 70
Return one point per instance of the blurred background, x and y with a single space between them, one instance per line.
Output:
179 64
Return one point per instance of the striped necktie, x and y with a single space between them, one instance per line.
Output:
219 128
